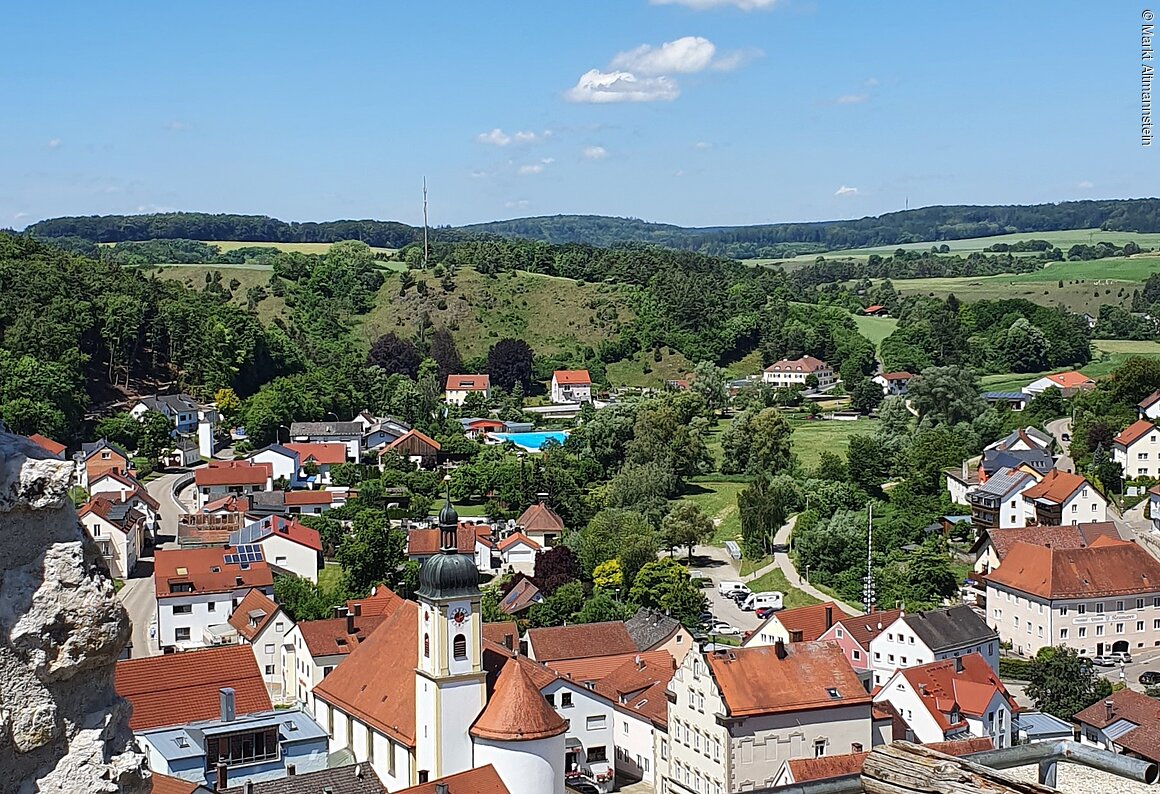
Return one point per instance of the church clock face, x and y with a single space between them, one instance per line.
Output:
459 615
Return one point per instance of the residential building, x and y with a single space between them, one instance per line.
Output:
471 539
578 641
636 689
480 780
998 502
919 638
962 481
189 417
100 457
571 386
1149 407
1125 722
315 461
855 633
220 478
1023 439
826 767
416 447
1064 498
349 434
736 715
379 432
991 546
804 624
197 589
1100 598
541 524
1032 727
287 545
124 488
894 384
1067 382
952 699
786 373
118 530
314 648
522 597
519 552
261 624
459 386
284 462
1040 461
349 779
1015 400
876 310
1154 506
54 448
652 630
1137 450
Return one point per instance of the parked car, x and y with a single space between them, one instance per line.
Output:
699 579
1065 436
1120 656
758 600
723 628
738 596
764 612
583 787
707 618
1150 677
727 588
1103 661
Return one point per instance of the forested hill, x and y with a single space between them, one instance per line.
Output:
929 224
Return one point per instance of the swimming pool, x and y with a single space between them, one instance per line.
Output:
532 441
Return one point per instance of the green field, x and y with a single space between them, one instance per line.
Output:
246 275
1107 356
775 580
719 501
631 372
301 248
811 437
875 328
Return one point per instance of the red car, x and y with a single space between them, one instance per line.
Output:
764 612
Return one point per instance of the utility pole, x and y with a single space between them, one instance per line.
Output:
868 584
425 249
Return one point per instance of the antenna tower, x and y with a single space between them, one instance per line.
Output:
868 582
425 248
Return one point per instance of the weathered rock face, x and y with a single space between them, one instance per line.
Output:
62 727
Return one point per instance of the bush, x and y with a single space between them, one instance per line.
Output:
1010 667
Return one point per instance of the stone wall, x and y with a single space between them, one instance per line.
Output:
62 727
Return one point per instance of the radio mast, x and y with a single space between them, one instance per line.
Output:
868 583
425 248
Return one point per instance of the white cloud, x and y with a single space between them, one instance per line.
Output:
176 125
851 99
871 82
683 56
535 168
516 205
19 216
1085 185
846 191
678 172
498 137
701 5
702 145
595 152
477 174
597 87
53 144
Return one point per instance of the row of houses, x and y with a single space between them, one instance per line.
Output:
568 386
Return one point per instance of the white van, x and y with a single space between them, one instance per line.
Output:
725 588
772 600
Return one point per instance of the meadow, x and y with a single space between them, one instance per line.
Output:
301 248
810 437
875 328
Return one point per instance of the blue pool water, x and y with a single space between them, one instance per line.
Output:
532 441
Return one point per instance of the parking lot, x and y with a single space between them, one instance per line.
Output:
724 609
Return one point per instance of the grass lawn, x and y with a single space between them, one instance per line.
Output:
470 509
875 328
193 276
775 581
750 364
631 372
810 437
749 566
1108 355
719 501
330 577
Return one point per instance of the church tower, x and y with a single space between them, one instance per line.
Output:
450 685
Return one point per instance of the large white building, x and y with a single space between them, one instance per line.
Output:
998 502
118 530
286 543
221 478
1101 598
198 589
1137 449
786 373
459 386
919 638
1064 498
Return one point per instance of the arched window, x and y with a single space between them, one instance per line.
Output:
426 646
459 647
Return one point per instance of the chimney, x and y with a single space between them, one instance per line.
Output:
350 622
291 770
226 703
922 689
829 616
249 788
779 649
958 664
223 777
440 788
357 610
639 662
340 612
1108 710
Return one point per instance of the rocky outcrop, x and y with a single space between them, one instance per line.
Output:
62 727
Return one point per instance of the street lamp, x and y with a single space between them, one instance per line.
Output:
278 435
332 413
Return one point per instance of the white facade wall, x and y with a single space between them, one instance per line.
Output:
267 647
797 377
1154 510
1141 458
570 393
535 767
211 493
284 466
391 761
590 720
994 723
294 557
900 647
1086 504
635 746
300 671
124 548
959 490
205 610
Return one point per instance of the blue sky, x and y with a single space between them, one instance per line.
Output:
695 112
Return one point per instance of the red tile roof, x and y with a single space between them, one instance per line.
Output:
382 602
233 472
376 682
638 688
595 668
47 444
517 711
179 688
481 780
329 637
755 681
516 538
828 766
500 632
231 504
863 628
102 504
1134 432
300 498
897 376
580 641
322 453
1149 401
1071 536
1056 487
129 486
540 518
940 688
430 541
809 620
294 530
1136 708
468 382
1107 567
249 626
1070 380
572 377
164 784
197 567
803 364
877 307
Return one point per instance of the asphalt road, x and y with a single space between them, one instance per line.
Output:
138 596
1059 428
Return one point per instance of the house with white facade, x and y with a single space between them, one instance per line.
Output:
1149 407
96 458
349 434
1101 598
803 624
736 715
471 539
955 698
55 449
571 386
118 529
519 552
261 624
1125 722
919 638
125 488
221 478
787 373
286 543
636 690
379 432
198 589
314 648
190 418
315 461
1064 498
991 546
459 386
1067 382
283 461
998 503
1137 449
541 524
894 384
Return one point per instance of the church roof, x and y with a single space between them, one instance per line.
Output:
517 711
